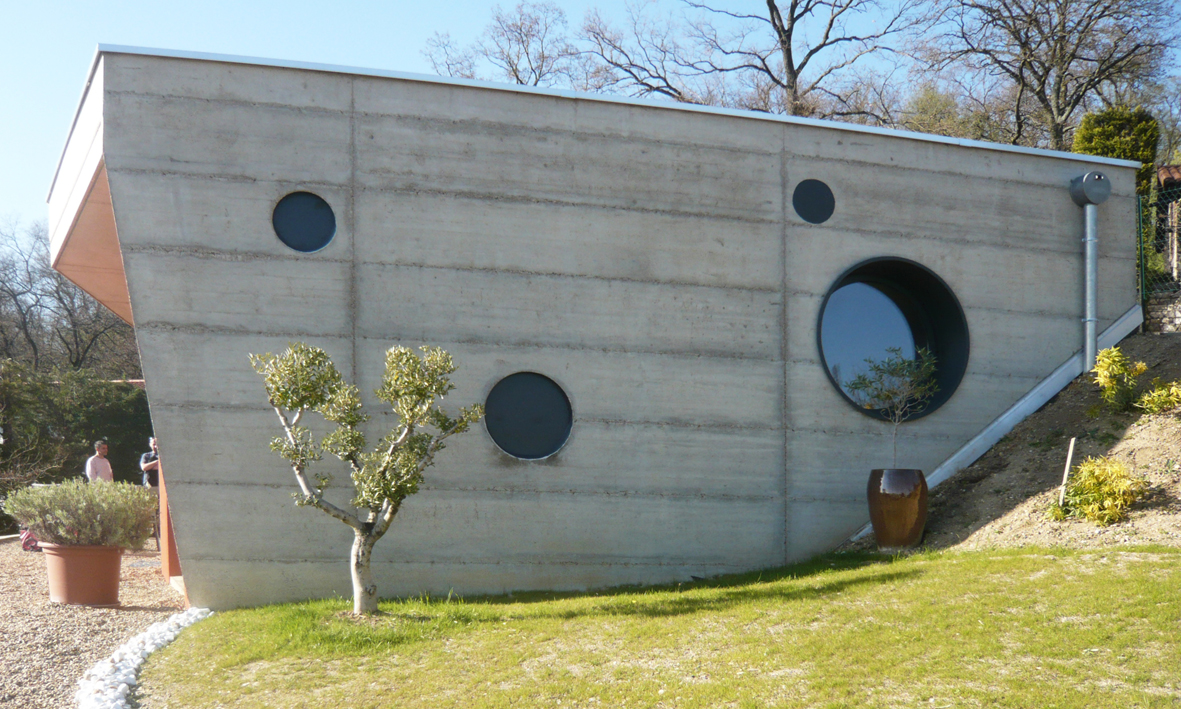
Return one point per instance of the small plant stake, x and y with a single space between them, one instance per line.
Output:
1066 474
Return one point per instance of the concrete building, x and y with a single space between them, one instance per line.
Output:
685 288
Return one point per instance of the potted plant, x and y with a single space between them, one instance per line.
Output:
83 529
898 388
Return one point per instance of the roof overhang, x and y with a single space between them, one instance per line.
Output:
83 239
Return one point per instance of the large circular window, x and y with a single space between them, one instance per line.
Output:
304 221
528 415
885 306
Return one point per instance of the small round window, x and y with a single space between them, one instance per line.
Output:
886 306
813 201
304 221
528 415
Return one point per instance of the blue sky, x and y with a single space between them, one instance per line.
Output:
48 45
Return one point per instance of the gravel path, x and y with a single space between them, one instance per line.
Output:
45 647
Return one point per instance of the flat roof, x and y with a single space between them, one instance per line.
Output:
579 96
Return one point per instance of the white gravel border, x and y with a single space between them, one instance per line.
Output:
106 685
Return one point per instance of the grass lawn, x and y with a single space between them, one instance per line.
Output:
1022 628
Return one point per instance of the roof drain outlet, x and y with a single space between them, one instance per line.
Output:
1088 191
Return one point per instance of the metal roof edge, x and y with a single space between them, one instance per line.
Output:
582 96
98 53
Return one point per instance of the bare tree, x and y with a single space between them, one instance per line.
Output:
645 60
22 263
1166 106
796 58
46 321
528 46
1058 54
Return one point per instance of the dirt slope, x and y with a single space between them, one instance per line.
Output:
1001 500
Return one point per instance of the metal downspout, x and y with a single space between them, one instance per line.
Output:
1088 191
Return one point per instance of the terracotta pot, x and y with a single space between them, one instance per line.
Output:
897 506
83 575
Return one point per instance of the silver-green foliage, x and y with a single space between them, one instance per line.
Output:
79 513
303 378
898 387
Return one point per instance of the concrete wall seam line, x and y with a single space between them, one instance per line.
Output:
478 196
597 98
876 431
168 327
216 177
978 374
471 195
1066 373
678 425
966 237
785 339
517 344
206 254
256 257
265 105
507 491
675 424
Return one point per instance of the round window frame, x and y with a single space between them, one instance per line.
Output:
952 347
569 404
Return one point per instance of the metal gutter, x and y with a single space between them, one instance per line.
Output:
581 96
1037 397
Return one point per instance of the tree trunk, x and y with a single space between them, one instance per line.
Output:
1058 136
364 589
894 444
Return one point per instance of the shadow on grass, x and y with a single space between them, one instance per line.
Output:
705 595
728 590
327 628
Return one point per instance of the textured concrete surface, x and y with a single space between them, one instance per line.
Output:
646 258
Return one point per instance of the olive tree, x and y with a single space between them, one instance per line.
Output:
303 379
897 387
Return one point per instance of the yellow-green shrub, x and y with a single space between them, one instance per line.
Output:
1161 398
1101 490
1116 376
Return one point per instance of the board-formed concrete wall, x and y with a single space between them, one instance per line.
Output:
645 257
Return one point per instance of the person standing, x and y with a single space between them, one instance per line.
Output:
97 465
150 463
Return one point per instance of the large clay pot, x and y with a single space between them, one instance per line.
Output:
897 506
83 575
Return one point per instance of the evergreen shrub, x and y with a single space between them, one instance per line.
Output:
76 513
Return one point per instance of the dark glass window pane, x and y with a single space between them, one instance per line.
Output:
813 201
304 221
528 415
860 322
889 302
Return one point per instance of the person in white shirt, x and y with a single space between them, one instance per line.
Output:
97 465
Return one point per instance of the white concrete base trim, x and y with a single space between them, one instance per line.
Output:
1037 397
106 685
